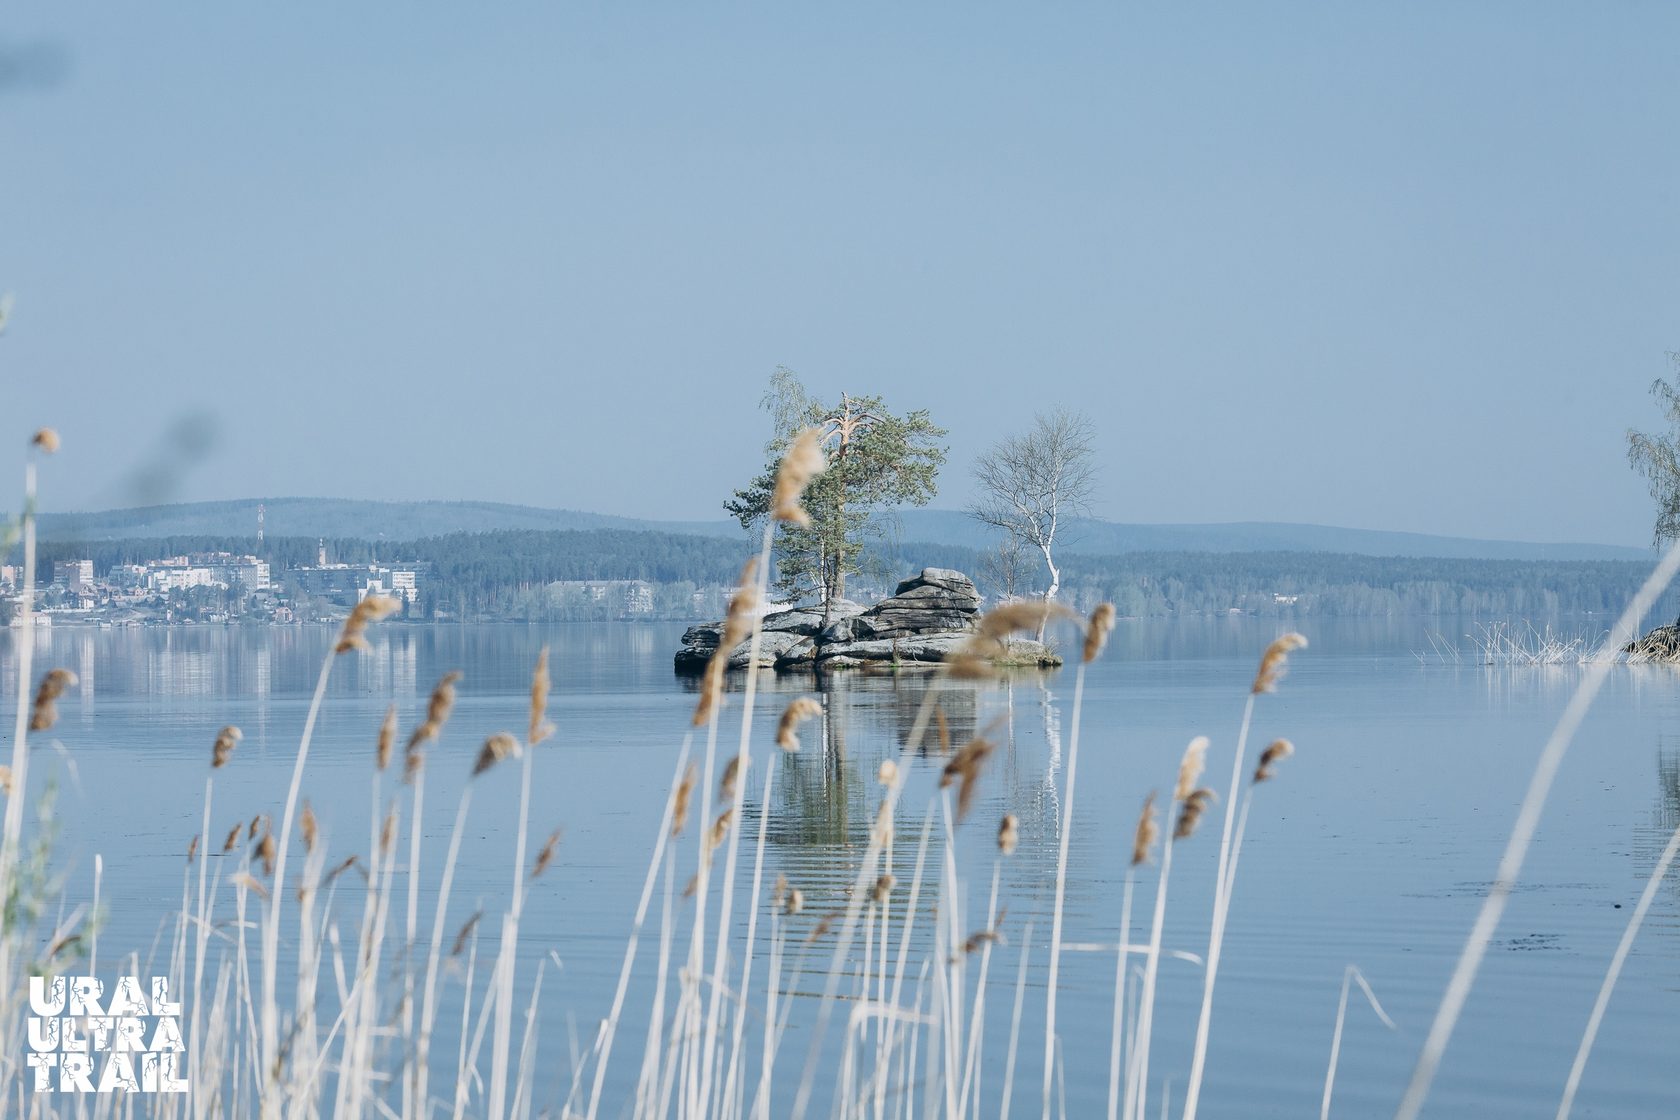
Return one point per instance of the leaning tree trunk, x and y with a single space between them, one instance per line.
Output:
1055 586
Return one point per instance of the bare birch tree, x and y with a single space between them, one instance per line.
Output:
1030 485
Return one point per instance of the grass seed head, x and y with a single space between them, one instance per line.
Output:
731 773
370 610
546 855
222 749
540 728
45 440
1144 839
1191 814
387 739
1275 661
681 799
497 747
1190 767
1097 631
803 461
45 711
1270 757
1009 834
793 715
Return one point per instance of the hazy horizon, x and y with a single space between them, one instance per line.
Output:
1396 269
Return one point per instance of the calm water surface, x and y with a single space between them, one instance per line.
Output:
1372 848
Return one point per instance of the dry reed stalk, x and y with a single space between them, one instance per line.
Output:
609 1027
1097 631
222 749
793 715
1350 974
1613 973
1009 834
502 745
44 713
1137 1078
1273 664
1065 838
12 834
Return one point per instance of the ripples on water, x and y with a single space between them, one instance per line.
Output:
1372 847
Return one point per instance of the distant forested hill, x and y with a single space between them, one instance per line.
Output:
521 573
406 521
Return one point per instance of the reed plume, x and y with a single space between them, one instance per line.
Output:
779 892
680 803
737 627
497 747
387 739
726 784
883 831
222 749
370 610
545 856
233 837
883 888
45 440
991 635
1275 661
803 461
438 707
1190 814
346 864
6 780
795 901
250 882
720 829
307 826
1271 756
1190 767
1097 631
266 851
540 728
45 711
1144 839
942 727
1009 834
388 832
793 715
888 772
465 932
192 849
258 823
965 767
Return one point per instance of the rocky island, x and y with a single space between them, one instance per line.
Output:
923 622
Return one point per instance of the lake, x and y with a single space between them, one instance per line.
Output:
1372 846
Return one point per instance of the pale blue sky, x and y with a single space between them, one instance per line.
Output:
1405 266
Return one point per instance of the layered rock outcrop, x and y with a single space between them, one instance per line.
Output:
925 620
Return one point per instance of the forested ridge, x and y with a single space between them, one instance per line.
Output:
529 573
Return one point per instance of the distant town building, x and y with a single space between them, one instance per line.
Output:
75 576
